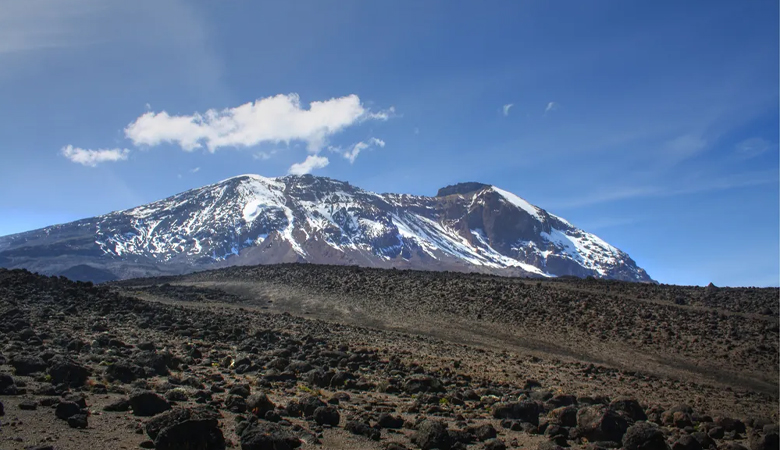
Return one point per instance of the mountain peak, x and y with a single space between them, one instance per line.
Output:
250 219
461 188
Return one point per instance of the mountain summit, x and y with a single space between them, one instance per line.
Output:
249 219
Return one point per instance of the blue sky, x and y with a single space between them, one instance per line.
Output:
652 124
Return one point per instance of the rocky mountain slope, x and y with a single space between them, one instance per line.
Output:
249 219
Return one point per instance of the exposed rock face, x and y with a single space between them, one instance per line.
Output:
471 227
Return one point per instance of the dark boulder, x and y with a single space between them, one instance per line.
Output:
186 428
68 372
318 378
362 429
65 410
327 415
155 362
267 436
26 365
494 444
483 432
259 404
704 439
686 442
458 437
308 404
599 423
644 436
417 383
629 407
241 390
561 400
78 421
28 405
120 405
385 420
147 403
236 404
124 372
523 411
432 434
767 441
565 416
7 385
729 424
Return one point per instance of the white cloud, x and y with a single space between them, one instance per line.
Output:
752 147
353 153
276 119
552 106
195 170
507 107
92 158
311 163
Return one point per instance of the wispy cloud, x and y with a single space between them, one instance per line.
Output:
507 107
552 106
278 119
92 158
689 187
608 222
683 147
353 153
264 156
750 148
195 170
311 163
44 24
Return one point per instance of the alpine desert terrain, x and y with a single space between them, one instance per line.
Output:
313 356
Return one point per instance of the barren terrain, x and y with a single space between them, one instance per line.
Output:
297 355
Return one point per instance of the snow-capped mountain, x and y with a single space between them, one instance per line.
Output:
251 219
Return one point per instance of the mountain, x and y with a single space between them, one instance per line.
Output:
249 219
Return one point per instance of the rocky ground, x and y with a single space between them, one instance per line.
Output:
295 356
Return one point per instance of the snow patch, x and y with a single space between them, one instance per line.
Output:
519 202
